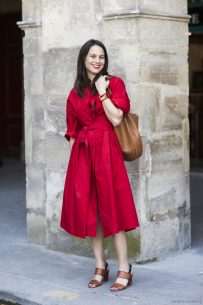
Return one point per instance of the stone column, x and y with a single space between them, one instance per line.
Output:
34 120
66 26
149 49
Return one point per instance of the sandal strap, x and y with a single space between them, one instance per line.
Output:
124 275
95 282
100 271
118 286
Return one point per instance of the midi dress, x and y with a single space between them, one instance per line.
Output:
96 183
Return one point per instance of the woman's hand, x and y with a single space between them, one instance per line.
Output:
102 84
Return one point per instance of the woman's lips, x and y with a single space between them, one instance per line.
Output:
96 67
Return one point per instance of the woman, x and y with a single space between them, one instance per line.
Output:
98 200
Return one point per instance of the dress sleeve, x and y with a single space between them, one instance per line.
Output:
71 122
119 96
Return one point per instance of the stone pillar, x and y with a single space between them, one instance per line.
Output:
34 120
148 47
66 26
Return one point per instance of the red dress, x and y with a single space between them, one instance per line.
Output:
96 179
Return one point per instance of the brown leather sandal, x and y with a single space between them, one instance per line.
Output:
105 276
124 275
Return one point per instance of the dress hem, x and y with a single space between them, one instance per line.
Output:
105 236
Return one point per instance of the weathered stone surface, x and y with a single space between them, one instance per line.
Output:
56 145
38 141
32 10
175 110
166 148
28 130
57 67
33 67
36 225
168 6
169 201
54 117
35 188
32 43
159 239
80 22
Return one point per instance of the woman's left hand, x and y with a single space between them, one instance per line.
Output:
102 84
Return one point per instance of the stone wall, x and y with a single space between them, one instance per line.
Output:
148 47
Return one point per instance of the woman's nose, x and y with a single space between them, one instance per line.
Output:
97 59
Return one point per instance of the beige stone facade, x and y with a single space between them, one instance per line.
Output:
147 44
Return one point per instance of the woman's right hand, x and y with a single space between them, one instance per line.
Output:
102 84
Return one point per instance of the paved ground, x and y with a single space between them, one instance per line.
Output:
31 274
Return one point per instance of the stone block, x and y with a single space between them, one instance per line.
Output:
33 73
163 34
127 34
159 239
62 241
55 119
174 112
166 71
160 7
59 70
57 152
118 61
36 226
59 101
37 109
28 129
38 153
186 146
164 7
147 33
166 147
169 201
54 189
35 188
80 23
32 10
32 41
184 228
166 180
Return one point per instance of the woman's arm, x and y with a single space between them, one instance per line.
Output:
113 113
72 140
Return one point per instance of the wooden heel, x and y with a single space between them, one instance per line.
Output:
106 275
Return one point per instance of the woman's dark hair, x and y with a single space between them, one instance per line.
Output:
82 81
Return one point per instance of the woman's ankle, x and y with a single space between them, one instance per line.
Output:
124 266
101 264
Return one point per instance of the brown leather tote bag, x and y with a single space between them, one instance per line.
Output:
129 137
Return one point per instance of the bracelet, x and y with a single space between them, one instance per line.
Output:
103 97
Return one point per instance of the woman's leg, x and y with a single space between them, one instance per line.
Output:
98 249
120 243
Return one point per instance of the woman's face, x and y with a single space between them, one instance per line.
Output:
94 61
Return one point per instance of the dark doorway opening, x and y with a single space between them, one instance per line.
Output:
11 80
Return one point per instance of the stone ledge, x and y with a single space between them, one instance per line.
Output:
146 14
28 23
